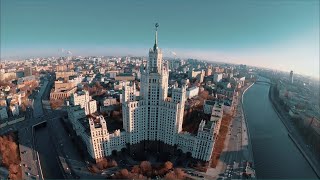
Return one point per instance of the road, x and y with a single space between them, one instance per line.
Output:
31 168
233 153
238 150
29 159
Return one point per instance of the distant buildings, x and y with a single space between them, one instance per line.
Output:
199 75
217 77
27 71
85 101
124 77
65 74
192 92
208 71
7 75
61 68
109 101
62 90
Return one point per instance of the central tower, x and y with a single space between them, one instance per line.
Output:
153 120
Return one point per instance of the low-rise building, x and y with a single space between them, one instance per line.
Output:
63 90
217 77
197 74
192 92
65 74
109 101
85 101
125 77
94 133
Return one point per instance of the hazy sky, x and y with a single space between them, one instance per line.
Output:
281 34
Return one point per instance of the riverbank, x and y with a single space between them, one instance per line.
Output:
248 152
237 148
293 133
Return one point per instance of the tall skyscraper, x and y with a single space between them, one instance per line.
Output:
291 77
152 121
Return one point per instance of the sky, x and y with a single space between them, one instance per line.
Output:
279 34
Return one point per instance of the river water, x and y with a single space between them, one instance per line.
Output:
275 155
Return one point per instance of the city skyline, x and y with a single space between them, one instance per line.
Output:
138 117
280 35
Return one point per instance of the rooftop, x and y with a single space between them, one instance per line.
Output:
208 125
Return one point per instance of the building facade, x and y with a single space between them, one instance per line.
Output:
85 101
192 92
27 71
152 121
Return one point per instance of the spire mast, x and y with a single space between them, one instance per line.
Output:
156 37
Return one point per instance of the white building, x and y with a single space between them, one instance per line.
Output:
197 74
152 121
85 101
112 74
192 92
217 77
201 145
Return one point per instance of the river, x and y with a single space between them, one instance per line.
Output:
275 155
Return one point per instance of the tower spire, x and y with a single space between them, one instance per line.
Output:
156 37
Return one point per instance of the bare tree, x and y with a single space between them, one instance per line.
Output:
168 165
145 167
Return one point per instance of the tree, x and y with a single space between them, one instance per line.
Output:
145 167
124 173
10 156
175 174
103 164
113 163
98 85
179 173
170 176
168 165
204 94
135 169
